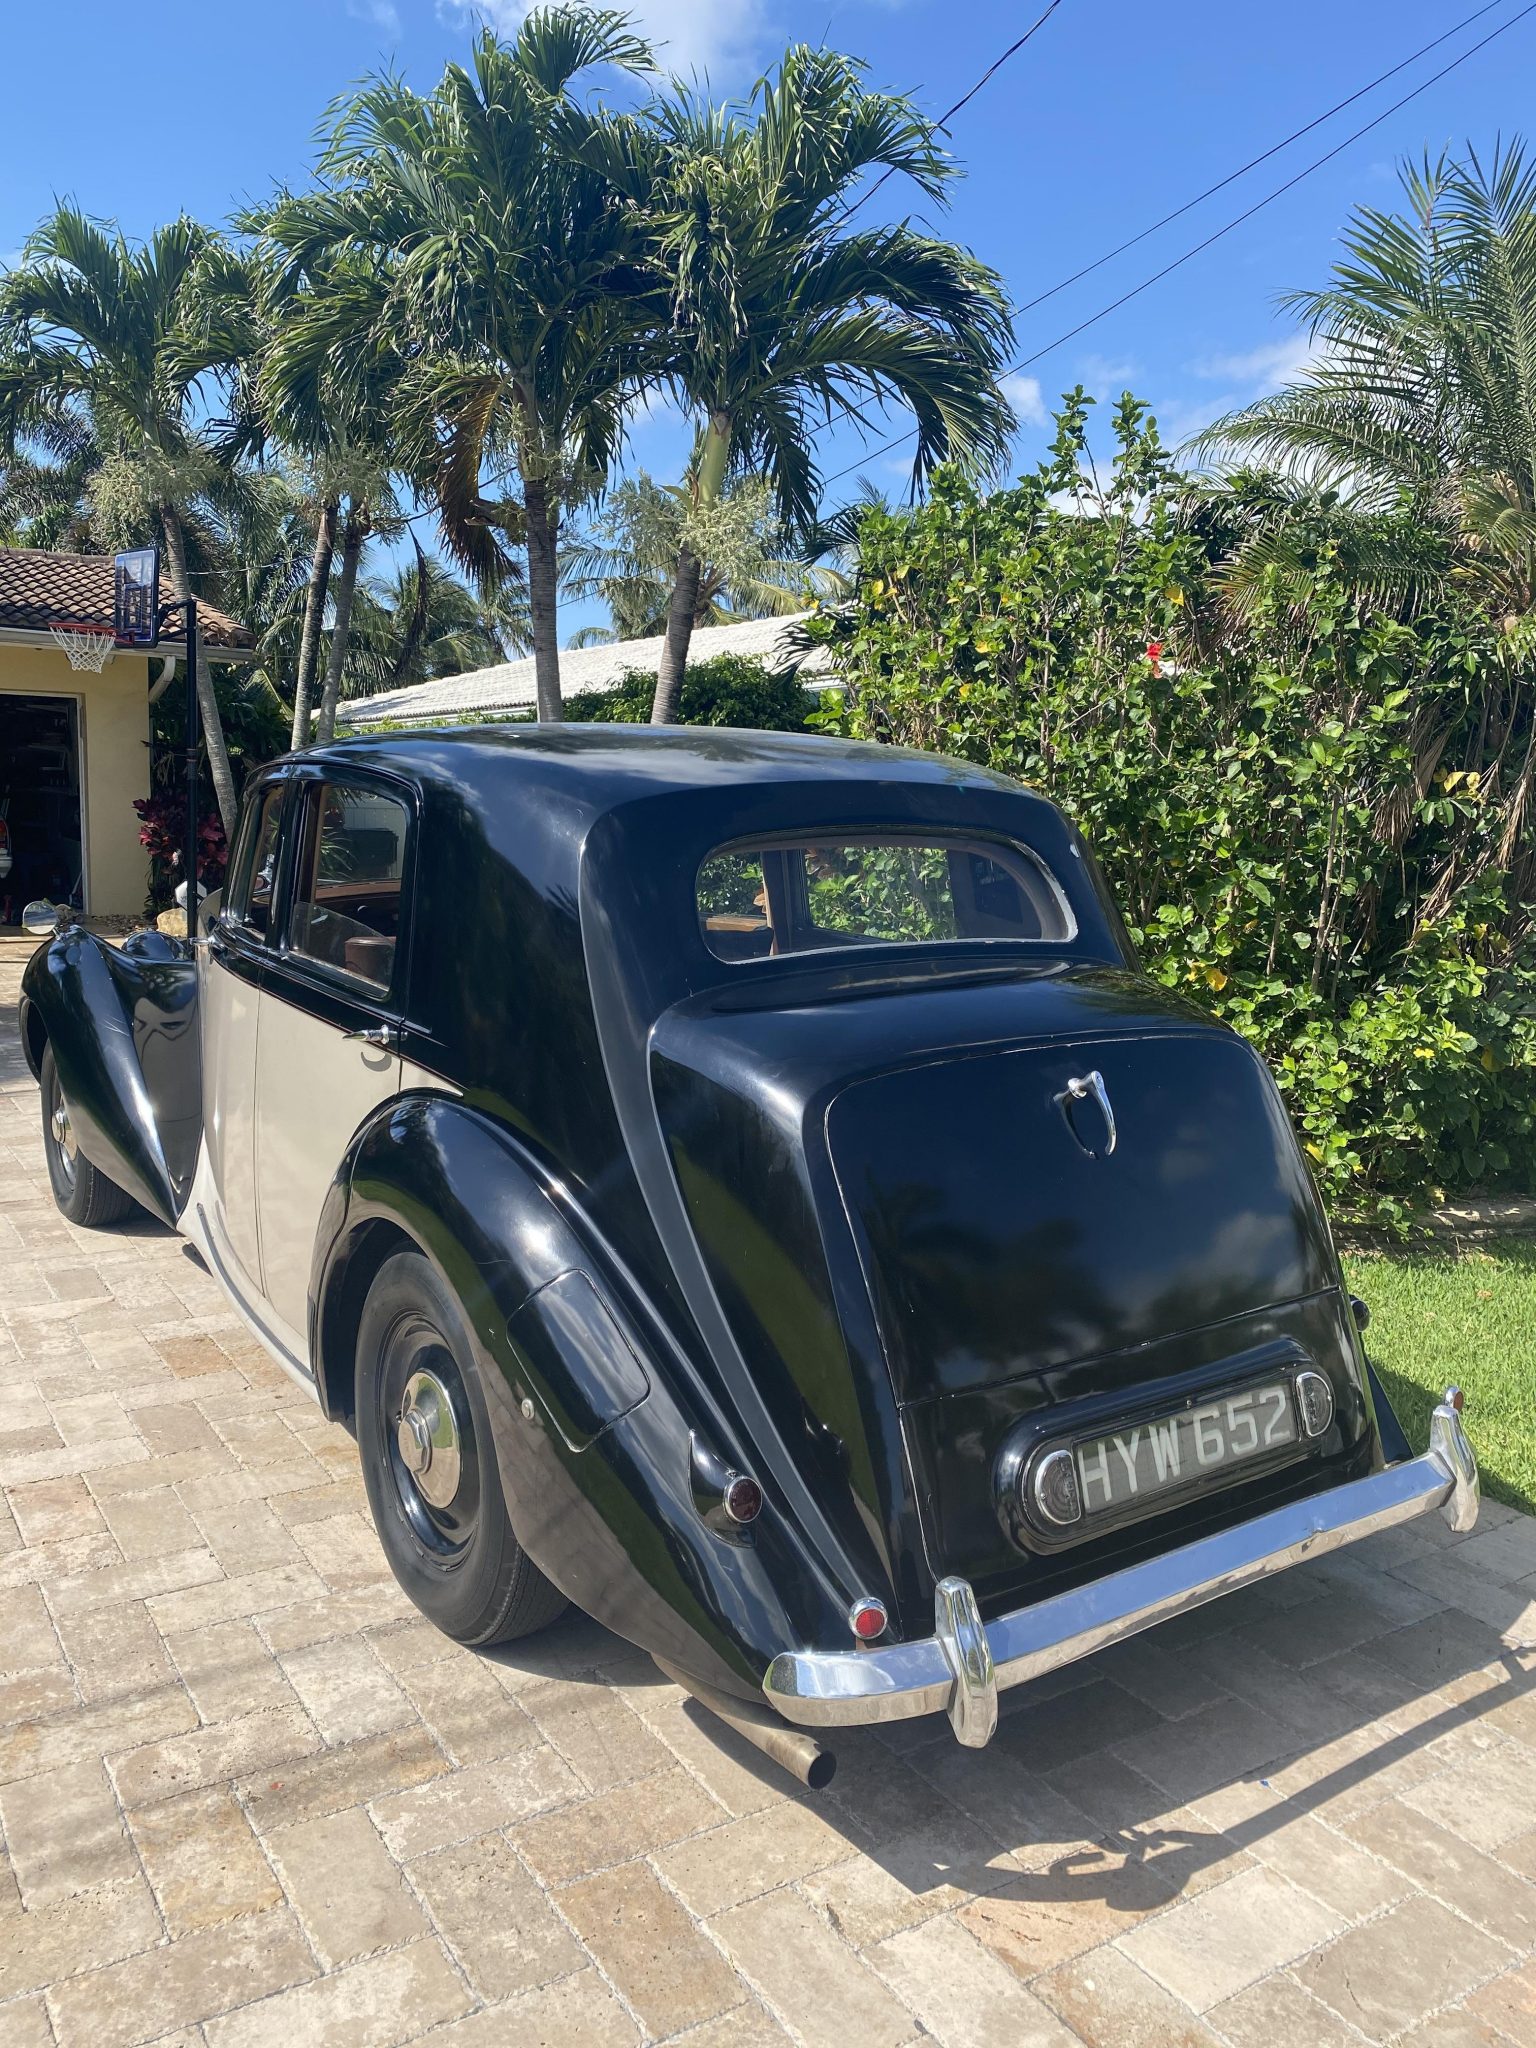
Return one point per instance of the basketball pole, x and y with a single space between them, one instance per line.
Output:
194 741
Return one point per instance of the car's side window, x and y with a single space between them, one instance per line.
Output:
253 872
347 898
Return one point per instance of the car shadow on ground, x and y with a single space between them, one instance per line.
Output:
1168 1763
1385 1673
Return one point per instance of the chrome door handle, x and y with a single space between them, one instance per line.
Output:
380 1036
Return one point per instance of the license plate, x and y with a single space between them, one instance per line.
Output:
1180 1450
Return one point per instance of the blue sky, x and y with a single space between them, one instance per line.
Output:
1114 114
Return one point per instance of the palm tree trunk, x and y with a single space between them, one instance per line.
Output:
346 590
543 597
673 665
314 619
684 601
208 703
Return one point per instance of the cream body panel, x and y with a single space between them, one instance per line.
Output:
231 1018
314 1086
200 1225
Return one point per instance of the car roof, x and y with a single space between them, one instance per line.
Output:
603 766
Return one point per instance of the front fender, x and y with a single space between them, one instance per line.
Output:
601 1422
122 1022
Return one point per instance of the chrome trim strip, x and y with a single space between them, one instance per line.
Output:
948 1671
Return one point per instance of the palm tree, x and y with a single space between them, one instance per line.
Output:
328 391
782 317
116 338
1423 391
513 291
629 559
275 420
833 542
43 495
264 547
416 624
1422 402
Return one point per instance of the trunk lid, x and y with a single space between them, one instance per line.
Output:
926 1250
1002 1238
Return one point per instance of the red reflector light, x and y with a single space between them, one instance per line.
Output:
867 1618
743 1499
1456 1397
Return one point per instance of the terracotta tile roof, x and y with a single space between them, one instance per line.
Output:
38 585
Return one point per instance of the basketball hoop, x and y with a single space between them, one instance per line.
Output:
85 646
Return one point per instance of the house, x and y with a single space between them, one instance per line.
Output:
508 688
74 747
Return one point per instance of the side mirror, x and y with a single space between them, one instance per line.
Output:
41 919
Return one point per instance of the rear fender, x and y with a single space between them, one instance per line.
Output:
123 1025
595 1407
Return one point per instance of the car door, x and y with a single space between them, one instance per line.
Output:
239 945
328 1047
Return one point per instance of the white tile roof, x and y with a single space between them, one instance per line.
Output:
509 686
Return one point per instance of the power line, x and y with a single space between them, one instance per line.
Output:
1279 191
1199 248
965 98
1254 162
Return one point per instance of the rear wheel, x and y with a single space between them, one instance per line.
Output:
430 1466
82 1191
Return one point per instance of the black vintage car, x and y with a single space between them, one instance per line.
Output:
741 1184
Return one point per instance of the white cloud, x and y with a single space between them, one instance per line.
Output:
1240 378
383 14
1106 373
1264 369
718 36
1180 419
1025 396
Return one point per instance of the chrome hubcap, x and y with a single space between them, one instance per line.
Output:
428 1439
63 1132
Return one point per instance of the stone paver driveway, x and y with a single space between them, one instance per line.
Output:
248 1798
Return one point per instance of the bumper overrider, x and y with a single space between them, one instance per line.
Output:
965 1663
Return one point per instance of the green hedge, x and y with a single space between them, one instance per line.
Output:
1292 811
729 689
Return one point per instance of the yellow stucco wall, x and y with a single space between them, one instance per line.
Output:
114 740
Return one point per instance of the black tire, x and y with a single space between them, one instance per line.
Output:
82 1191
443 1523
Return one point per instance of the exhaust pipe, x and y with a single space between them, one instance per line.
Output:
792 1749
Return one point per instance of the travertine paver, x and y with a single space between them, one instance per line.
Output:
248 1797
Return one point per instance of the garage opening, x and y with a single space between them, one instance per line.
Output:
40 802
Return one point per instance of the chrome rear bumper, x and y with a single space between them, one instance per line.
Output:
965 1663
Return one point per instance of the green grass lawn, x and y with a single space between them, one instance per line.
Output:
1467 1321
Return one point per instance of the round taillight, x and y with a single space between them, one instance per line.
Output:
1056 1491
1315 1397
743 1498
1455 1398
868 1619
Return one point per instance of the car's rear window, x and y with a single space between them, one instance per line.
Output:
778 896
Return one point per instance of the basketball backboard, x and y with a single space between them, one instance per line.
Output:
136 597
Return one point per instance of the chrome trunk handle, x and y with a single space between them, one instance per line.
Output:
1091 1088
